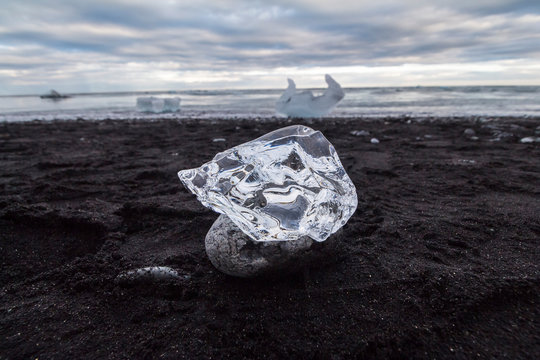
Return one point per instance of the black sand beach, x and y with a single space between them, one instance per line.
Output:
441 259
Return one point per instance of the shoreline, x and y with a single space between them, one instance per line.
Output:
281 119
439 261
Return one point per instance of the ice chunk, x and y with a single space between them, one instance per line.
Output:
374 140
158 105
304 104
281 186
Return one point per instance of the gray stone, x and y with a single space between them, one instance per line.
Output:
148 274
469 132
234 253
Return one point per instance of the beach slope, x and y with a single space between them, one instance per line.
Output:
440 260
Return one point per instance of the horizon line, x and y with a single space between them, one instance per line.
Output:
260 89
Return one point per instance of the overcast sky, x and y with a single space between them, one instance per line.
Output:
112 45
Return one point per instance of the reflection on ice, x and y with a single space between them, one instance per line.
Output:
304 104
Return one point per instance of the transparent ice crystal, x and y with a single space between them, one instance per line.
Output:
281 186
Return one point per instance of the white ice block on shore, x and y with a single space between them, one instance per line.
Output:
305 105
158 105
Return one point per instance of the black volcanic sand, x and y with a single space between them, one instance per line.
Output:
441 259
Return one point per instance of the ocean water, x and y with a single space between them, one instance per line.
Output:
519 101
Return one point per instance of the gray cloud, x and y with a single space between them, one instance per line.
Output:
61 41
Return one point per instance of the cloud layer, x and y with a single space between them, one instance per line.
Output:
142 45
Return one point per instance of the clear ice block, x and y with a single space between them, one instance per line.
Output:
281 186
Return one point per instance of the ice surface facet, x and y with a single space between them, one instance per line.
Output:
304 104
158 105
281 186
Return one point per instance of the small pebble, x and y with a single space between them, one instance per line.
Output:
151 273
466 162
499 135
529 140
469 132
374 140
360 133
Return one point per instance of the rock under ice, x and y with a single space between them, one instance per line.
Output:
304 104
158 105
281 186
234 253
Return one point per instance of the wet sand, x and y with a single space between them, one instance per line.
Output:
441 259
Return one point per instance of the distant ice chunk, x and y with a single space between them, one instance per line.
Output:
54 95
171 104
305 105
374 140
158 105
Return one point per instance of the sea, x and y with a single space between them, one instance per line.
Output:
419 101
